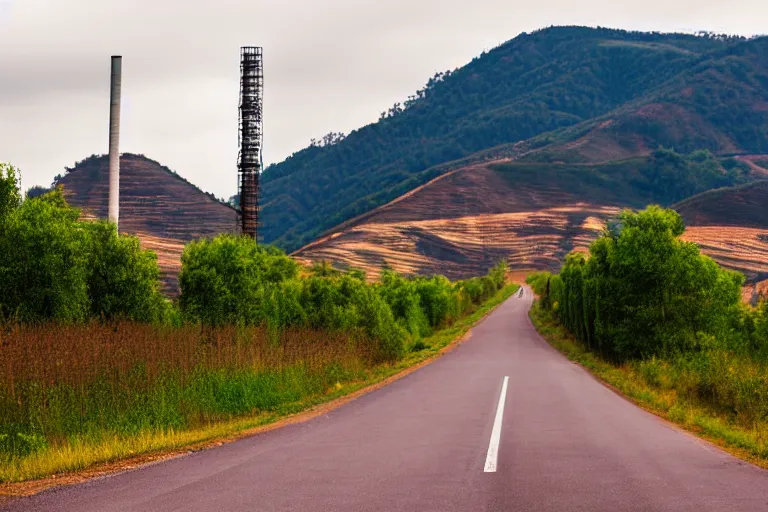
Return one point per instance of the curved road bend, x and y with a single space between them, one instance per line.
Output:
424 443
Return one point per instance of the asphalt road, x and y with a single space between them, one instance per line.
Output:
424 443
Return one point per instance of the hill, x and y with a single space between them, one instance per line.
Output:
579 95
156 204
719 104
731 225
745 205
532 214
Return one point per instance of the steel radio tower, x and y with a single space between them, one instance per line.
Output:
249 161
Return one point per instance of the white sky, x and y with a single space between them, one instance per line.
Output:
330 65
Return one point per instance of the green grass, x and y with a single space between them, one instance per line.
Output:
171 403
661 386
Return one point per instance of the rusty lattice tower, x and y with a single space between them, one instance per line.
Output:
249 161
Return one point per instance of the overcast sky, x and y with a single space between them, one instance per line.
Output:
330 65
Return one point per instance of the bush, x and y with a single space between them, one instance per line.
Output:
538 282
123 279
53 266
401 296
233 280
224 280
43 262
347 304
438 299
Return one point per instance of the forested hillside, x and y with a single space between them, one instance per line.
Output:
719 104
571 81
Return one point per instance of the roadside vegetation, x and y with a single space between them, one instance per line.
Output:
664 324
96 365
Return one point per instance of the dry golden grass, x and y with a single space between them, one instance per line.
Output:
72 395
465 245
78 355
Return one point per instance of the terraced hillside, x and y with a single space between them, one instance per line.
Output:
731 225
530 214
466 221
522 154
163 209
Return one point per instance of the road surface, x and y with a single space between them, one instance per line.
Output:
441 439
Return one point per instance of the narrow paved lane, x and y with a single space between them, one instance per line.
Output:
565 443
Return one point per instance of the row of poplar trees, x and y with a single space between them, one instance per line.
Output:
642 291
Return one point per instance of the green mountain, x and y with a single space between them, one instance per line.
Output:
573 94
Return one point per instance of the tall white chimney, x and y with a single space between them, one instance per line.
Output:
114 139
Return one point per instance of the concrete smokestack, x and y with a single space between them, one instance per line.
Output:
114 139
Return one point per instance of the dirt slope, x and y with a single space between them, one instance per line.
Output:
462 224
160 207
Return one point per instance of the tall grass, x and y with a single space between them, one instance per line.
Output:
75 395
68 384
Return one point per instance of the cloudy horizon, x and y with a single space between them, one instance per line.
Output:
329 66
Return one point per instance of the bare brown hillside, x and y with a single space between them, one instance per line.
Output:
163 209
463 223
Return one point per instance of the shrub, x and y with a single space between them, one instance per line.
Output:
53 266
43 262
405 302
438 299
123 279
232 280
538 282
224 280
346 303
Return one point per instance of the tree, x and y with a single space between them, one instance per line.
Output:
224 280
123 280
54 266
643 291
43 265
10 194
36 191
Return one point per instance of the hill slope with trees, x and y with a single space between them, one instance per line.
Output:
616 93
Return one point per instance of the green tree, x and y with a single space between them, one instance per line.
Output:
643 291
54 266
123 279
223 280
10 193
43 262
